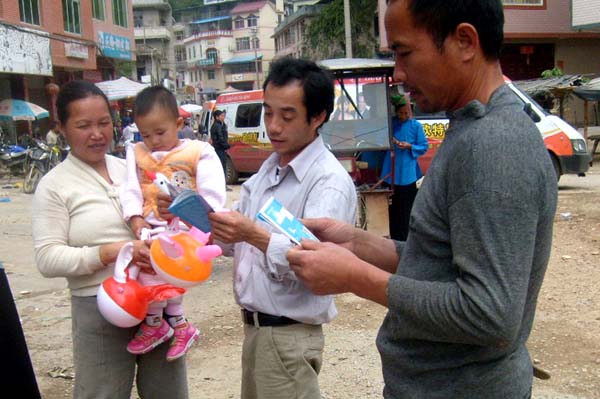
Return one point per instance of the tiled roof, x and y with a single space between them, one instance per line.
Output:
248 7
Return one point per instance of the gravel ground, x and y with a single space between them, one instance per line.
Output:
564 340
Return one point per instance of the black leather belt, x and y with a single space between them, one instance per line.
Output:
258 319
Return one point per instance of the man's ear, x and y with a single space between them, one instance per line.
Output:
317 120
467 41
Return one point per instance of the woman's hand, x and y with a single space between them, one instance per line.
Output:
403 145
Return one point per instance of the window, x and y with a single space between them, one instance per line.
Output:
98 9
248 115
120 12
211 74
189 53
30 11
71 15
255 43
238 23
194 51
138 19
245 67
242 43
252 20
179 54
211 53
523 2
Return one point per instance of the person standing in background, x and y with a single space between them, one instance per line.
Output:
186 131
219 137
52 135
409 143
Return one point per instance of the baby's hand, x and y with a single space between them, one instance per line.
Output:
137 223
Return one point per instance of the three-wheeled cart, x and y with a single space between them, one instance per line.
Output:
359 132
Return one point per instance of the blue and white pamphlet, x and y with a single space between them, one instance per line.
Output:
277 216
192 208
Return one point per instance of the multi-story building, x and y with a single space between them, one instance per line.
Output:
253 27
225 45
585 15
290 34
209 43
55 41
538 35
542 34
155 42
113 34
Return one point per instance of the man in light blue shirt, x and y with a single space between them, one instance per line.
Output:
409 143
283 337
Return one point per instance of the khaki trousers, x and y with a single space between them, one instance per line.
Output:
105 370
282 362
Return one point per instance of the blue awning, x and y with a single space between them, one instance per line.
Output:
240 59
213 19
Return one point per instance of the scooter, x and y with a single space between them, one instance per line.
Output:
40 160
12 159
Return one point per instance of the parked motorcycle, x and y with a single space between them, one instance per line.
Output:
12 158
41 159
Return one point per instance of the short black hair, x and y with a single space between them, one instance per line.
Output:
441 17
73 91
316 83
217 113
155 96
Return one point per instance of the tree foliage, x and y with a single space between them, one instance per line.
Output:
325 36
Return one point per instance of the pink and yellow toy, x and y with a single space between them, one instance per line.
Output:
182 258
122 300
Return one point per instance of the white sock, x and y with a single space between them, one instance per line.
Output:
176 321
154 320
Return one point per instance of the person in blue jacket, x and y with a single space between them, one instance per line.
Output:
409 142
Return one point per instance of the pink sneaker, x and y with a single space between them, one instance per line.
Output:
148 338
182 341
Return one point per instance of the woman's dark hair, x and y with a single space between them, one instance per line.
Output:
73 91
155 96
441 17
316 83
216 114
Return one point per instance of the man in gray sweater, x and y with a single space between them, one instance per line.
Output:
462 290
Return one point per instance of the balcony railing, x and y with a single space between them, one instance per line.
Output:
207 34
152 32
208 61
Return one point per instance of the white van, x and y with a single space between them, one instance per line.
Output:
250 145
566 146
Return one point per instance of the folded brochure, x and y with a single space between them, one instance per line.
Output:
277 216
191 207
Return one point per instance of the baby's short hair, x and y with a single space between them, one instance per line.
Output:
155 96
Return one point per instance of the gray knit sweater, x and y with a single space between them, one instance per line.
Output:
462 301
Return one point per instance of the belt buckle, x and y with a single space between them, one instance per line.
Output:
246 320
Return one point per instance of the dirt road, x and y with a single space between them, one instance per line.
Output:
565 338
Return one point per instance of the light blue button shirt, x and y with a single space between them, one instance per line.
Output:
313 184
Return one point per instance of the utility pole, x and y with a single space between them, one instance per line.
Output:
254 31
347 31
